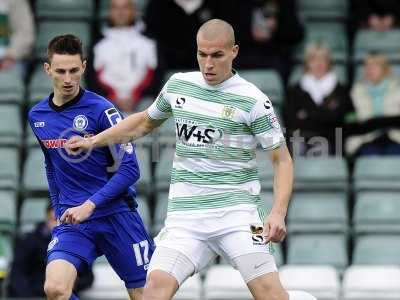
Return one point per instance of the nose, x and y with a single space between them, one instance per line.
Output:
67 78
209 63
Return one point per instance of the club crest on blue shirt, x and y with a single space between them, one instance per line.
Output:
80 122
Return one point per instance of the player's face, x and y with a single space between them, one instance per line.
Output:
215 59
66 72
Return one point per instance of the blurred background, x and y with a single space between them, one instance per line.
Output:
331 69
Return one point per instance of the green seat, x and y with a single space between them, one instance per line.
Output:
323 10
166 132
34 178
377 212
160 213
30 140
320 173
318 249
47 30
144 211
8 211
10 125
377 250
386 42
377 173
332 35
268 81
9 168
143 159
318 212
339 69
265 169
64 9
11 86
163 168
33 211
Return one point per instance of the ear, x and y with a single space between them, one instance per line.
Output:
235 51
84 63
46 67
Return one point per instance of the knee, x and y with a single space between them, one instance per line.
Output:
159 283
56 290
272 292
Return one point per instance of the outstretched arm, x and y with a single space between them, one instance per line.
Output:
129 129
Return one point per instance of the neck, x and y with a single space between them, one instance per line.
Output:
60 100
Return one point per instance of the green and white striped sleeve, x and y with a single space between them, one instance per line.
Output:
161 108
264 125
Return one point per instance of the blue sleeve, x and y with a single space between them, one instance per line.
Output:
53 188
126 171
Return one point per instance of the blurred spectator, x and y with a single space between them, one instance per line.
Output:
379 15
124 59
266 30
16 32
376 96
27 273
317 104
174 24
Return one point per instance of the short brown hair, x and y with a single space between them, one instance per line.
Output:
65 44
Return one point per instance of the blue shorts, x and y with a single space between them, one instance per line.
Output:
121 237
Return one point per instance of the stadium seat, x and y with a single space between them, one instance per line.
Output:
265 169
377 173
223 282
377 250
64 9
9 168
144 211
47 30
190 290
320 174
165 134
332 35
11 86
366 41
33 211
30 139
107 285
377 212
268 81
318 249
143 159
40 85
318 212
10 125
371 283
8 211
34 177
163 168
323 10
160 211
321 281
339 69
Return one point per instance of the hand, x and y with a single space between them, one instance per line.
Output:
274 228
77 144
78 214
6 63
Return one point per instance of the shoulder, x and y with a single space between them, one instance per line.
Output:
38 108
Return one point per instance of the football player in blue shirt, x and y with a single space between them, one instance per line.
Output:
91 193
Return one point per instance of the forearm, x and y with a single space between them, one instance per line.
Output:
129 129
283 181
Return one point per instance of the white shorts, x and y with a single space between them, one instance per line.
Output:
200 248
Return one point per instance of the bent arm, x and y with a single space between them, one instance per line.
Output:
129 129
283 179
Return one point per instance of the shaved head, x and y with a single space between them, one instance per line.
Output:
217 29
